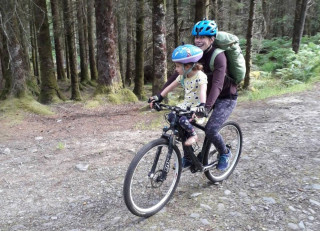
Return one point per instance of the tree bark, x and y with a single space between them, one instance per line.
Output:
249 44
34 50
91 41
70 34
5 66
58 41
201 12
49 88
109 79
159 45
175 23
299 20
82 43
120 28
266 19
129 63
15 65
221 14
139 78
215 10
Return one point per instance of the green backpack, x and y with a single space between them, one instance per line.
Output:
229 43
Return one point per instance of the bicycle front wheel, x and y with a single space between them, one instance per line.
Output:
145 190
232 136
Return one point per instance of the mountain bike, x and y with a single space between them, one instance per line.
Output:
154 173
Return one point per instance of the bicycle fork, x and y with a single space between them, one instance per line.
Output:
166 167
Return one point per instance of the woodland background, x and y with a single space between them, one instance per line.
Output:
54 50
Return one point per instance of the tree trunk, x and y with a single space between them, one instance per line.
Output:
121 56
82 43
299 20
34 50
128 78
266 20
200 13
58 41
91 41
49 88
159 45
139 78
221 15
5 66
15 66
230 17
175 23
67 57
249 44
215 10
70 34
109 79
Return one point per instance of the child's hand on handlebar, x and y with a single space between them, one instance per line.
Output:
155 99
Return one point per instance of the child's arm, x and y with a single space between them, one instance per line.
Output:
203 93
165 91
169 88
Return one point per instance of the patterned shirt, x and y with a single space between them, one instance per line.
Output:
191 87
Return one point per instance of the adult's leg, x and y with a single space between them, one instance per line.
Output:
221 112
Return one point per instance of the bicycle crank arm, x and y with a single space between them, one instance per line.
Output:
208 167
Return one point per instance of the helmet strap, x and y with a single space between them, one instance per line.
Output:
186 72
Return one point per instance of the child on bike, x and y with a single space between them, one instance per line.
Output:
194 82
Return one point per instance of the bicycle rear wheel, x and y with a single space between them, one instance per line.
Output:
146 194
232 136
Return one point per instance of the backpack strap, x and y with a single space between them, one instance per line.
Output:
214 55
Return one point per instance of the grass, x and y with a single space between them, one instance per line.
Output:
269 87
60 146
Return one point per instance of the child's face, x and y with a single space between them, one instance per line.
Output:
179 68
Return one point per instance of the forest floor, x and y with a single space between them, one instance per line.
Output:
65 171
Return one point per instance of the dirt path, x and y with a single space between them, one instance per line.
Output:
65 172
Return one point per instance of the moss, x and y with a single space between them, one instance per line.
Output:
14 108
92 104
121 96
33 86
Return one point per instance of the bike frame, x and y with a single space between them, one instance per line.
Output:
178 131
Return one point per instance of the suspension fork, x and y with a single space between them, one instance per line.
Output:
166 165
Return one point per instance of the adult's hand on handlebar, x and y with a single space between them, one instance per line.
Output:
202 111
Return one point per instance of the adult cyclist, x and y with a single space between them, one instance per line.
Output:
221 91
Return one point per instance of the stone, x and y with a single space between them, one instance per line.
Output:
82 167
7 151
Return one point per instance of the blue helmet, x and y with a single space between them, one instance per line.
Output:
205 28
186 53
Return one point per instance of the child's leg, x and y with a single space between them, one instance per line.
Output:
186 125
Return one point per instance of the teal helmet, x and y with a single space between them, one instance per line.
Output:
186 53
205 28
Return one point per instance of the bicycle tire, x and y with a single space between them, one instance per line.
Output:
143 195
232 136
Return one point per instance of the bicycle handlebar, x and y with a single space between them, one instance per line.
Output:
159 107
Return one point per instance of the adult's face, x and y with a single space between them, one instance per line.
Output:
203 42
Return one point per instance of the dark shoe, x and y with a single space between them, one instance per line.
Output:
223 163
